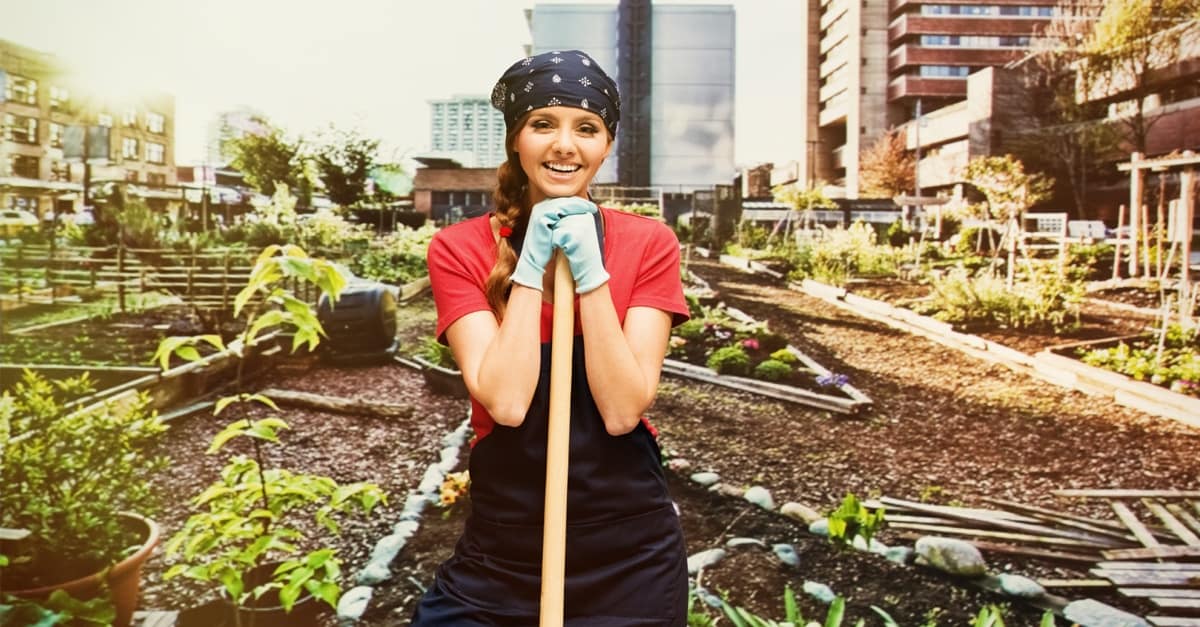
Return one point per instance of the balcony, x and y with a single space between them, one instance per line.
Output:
912 55
913 25
915 86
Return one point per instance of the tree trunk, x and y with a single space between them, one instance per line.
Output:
338 404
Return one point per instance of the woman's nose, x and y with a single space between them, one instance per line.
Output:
563 143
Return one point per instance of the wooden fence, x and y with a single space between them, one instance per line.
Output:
209 278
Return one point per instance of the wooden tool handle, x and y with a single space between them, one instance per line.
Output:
558 440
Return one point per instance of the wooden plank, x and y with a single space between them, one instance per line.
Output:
1058 556
892 504
1150 566
1075 583
1182 593
1157 552
1082 539
1128 494
1139 530
1148 577
1003 535
1176 602
1184 516
1093 524
1174 524
153 618
13 535
1173 621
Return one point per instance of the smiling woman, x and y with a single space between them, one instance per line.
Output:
625 562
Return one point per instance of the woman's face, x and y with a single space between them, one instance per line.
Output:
560 149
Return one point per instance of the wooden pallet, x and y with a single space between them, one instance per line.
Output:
1165 569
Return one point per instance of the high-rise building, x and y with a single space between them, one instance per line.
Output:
674 65
873 65
467 129
44 110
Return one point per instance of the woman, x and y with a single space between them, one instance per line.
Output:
625 557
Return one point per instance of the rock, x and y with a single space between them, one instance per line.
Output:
798 511
405 528
413 506
449 459
679 464
819 591
353 603
736 542
374 573
431 482
704 559
1019 586
956 557
1092 613
761 497
706 478
819 527
786 554
710 599
875 546
387 547
727 490
899 554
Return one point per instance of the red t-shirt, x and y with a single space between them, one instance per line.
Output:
640 254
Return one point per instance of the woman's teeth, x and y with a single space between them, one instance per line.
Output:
562 167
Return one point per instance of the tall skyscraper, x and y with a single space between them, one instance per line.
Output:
467 129
674 65
872 65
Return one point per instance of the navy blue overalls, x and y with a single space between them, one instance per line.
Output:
625 558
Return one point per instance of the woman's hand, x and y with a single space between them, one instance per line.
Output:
538 244
577 237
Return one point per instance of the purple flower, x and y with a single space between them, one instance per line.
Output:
832 379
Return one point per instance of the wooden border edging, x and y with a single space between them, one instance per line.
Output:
764 388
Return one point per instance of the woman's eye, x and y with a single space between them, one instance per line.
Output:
588 129
540 124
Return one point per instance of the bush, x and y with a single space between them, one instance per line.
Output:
1043 301
976 239
399 257
897 234
730 360
772 370
786 356
691 330
843 253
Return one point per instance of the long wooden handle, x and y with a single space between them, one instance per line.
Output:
558 441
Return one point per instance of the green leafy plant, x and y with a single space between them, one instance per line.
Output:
1170 358
67 475
247 518
1043 301
59 608
772 370
437 353
730 360
396 258
852 519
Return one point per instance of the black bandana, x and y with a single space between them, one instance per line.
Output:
568 78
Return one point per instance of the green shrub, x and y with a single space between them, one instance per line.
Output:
397 258
976 239
786 356
693 329
1043 300
730 360
897 234
772 370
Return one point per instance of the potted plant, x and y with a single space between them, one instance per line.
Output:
71 479
439 368
246 533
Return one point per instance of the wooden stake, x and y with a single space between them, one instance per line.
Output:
1117 243
558 441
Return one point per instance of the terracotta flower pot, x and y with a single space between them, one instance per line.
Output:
124 578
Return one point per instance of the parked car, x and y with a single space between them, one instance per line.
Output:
13 221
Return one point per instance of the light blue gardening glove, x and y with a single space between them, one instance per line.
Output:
538 245
579 239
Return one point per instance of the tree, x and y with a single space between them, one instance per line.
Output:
1058 132
887 169
269 158
1010 191
344 162
1132 39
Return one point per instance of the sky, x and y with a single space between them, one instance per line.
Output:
368 65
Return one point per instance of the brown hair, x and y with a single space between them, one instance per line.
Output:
511 199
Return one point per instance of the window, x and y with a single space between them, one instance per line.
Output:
60 171
131 176
441 198
24 203
155 153
56 135
129 148
153 178
129 118
20 89
944 71
156 123
59 97
19 128
104 119
23 166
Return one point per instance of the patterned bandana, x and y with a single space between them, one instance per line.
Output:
568 78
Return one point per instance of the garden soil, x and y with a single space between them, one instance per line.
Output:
944 428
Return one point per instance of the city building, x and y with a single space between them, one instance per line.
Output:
446 192
872 66
674 65
45 109
467 129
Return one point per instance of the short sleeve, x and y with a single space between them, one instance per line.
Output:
456 290
658 282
